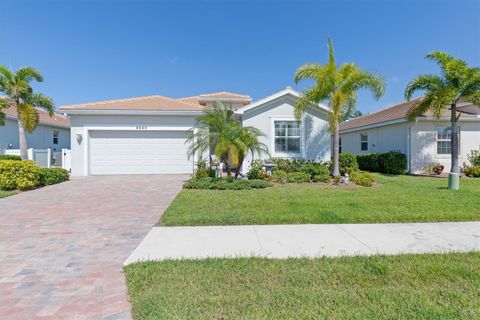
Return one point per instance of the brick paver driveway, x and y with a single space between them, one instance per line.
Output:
62 246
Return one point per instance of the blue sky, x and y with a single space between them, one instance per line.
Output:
98 50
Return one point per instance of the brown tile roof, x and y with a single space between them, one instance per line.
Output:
159 103
395 112
55 120
214 95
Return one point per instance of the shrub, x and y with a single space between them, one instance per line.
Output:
22 175
298 177
50 176
288 165
392 162
203 170
318 172
254 173
228 183
9 157
474 158
472 172
347 162
279 176
362 178
369 162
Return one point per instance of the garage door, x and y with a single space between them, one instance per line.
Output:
138 152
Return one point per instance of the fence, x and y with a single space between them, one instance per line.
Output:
43 157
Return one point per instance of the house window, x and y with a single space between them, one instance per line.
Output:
55 136
444 143
364 141
340 145
287 137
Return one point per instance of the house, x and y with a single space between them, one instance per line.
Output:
52 132
424 142
147 135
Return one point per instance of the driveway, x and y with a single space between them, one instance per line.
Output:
62 246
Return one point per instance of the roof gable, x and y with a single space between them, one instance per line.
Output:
280 94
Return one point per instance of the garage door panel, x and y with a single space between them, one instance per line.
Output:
138 152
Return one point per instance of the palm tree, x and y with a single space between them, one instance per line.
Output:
337 86
218 130
457 83
19 94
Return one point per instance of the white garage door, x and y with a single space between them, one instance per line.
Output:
138 152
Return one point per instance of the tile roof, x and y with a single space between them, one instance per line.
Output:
395 112
216 95
155 103
45 119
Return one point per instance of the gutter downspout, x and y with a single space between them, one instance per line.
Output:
409 136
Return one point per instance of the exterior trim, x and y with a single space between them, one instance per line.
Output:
133 112
376 125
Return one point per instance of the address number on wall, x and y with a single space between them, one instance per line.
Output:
141 127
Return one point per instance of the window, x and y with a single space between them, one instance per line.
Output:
364 141
340 145
287 137
55 136
444 144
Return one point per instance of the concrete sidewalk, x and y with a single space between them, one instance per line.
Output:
284 241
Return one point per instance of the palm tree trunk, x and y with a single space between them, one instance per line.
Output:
336 150
454 139
22 140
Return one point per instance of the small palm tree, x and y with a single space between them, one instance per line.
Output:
18 93
218 130
458 83
337 86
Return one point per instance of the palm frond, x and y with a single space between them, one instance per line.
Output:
331 52
2 118
308 71
423 82
40 101
5 73
28 116
28 74
356 79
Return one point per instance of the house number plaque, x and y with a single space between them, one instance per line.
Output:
141 127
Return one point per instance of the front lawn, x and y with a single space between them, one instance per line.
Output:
379 287
4 194
396 199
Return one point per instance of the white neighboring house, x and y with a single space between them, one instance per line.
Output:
147 135
52 132
424 142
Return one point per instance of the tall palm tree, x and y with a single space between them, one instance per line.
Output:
218 130
337 86
18 93
457 83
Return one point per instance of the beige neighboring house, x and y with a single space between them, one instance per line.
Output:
424 141
147 135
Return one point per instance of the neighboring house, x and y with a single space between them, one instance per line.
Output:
147 135
52 132
424 142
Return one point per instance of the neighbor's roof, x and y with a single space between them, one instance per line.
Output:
392 113
222 96
56 119
154 103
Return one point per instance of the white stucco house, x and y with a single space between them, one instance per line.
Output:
147 135
52 132
425 141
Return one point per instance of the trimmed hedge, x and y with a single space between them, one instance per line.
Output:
279 176
392 162
9 157
50 176
225 184
22 175
347 162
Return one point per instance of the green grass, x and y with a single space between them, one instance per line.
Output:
4 194
396 199
381 287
